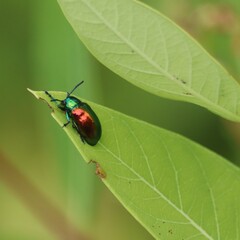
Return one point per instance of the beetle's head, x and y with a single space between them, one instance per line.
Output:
62 105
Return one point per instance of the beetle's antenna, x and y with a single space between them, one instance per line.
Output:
68 94
52 98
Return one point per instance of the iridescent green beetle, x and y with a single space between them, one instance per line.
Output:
83 118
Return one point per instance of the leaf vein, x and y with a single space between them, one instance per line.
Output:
191 221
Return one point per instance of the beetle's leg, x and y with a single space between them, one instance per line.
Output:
82 138
75 127
65 124
68 120
55 100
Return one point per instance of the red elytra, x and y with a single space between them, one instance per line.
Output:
85 123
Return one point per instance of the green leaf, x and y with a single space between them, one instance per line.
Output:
174 187
151 52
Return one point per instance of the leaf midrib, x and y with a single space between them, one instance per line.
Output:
190 220
156 66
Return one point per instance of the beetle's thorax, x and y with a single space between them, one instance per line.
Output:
71 103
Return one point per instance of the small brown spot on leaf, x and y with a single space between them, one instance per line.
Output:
188 93
183 81
99 171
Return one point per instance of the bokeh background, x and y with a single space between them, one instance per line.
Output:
46 190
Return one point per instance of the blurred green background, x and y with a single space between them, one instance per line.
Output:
46 190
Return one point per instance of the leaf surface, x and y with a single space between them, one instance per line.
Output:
174 187
151 52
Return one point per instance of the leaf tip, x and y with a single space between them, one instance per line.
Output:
33 92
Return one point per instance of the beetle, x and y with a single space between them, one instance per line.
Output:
84 119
